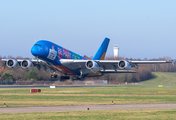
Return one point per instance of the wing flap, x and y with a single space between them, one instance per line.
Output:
150 62
118 71
108 64
74 64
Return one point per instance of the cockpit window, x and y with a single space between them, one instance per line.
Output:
37 45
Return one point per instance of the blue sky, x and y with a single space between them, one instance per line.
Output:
141 28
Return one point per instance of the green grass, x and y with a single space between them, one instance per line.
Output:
97 115
97 95
164 78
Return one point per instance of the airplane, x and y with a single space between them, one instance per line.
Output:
58 59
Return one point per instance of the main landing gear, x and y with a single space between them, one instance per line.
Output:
62 78
53 76
77 78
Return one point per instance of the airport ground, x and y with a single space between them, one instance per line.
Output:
163 114
85 96
71 102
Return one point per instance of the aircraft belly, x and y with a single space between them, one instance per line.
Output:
97 74
62 69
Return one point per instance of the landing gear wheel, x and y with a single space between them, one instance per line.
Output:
53 76
77 78
62 78
73 78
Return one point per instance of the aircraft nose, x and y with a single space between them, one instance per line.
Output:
34 51
37 51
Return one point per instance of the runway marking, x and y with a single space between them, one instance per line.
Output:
84 108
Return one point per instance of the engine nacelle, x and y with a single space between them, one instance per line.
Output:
123 64
12 63
27 64
92 65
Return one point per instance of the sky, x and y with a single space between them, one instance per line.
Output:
141 28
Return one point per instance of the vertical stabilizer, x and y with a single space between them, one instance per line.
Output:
100 55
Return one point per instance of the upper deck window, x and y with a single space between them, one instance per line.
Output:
37 45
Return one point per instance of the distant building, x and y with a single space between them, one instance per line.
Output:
116 51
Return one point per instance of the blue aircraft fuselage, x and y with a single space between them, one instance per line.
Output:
52 53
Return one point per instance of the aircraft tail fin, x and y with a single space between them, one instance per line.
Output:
100 54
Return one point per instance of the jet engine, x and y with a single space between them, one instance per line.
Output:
12 63
123 64
27 64
92 65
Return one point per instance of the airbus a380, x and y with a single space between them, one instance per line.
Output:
58 59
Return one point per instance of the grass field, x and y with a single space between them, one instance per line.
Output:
95 95
97 115
164 78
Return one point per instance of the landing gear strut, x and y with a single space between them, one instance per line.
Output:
78 76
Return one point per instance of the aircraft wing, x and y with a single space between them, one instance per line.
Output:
107 66
104 66
35 62
42 64
114 63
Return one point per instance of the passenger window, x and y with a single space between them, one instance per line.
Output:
37 45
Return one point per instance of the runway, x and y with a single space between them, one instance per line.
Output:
84 108
73 86
59 86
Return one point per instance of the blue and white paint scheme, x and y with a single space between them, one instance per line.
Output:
58 59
